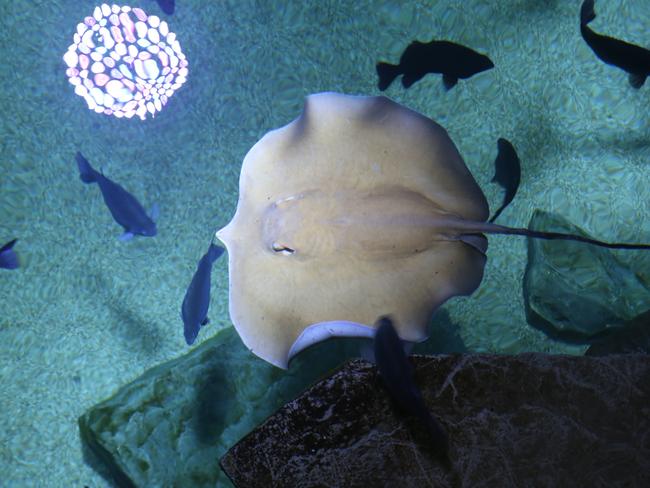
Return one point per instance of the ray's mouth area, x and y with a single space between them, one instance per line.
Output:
279 248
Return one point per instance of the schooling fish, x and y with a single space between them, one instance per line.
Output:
397 374
166 6
452 60
8 257
507 173
633 59
194 311
124 207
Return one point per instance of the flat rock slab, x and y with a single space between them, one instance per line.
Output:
525 420
170 426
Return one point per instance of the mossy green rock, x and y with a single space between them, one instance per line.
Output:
574 291
170 426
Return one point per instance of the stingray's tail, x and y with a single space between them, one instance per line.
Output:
471 228
387 74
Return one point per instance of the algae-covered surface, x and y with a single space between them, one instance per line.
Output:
170 426
86 314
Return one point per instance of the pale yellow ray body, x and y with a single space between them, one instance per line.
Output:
352 211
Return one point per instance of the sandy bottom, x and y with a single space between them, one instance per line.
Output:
86 313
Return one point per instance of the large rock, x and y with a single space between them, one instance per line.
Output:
577 292
170 426
527 420
632 337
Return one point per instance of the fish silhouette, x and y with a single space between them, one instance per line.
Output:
507 173
124 207
631 58
397 375
194 310
452 60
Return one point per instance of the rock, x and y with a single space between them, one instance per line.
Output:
170 426
526 420
632 337
577 292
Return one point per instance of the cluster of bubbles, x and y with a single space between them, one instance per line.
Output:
124 62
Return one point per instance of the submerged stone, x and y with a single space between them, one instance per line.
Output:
632 337
526 420
577 292
170 426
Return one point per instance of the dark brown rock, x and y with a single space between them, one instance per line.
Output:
526 420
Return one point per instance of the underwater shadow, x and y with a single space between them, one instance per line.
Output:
134 331
444 337
99 461
214 400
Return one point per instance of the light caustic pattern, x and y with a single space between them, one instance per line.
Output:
124 62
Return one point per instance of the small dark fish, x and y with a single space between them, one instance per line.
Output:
166 6
8 257
124 207
507 173
452 60
397 374
633 59
194 311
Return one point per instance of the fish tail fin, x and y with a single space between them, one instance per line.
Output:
387 73
637 80
86 172
8 257
439 436
214 252
587 12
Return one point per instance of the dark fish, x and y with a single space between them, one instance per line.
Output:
8 257
166 6
397 374
633 59
124 207
507 173
452 60
194 311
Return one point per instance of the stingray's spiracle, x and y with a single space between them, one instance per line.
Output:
124 62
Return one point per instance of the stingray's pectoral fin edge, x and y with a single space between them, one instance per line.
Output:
322 331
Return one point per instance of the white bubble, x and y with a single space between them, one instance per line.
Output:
97 67
141 29
71 58
97 95
118 91
153 35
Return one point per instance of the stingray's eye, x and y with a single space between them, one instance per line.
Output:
282 249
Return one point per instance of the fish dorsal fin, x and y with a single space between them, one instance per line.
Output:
637 80
449 81
155 212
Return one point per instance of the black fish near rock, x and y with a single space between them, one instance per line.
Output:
194 310
633 59
507 173
397 373
452 60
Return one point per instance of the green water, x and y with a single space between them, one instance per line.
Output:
86 313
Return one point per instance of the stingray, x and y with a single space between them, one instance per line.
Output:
358 208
